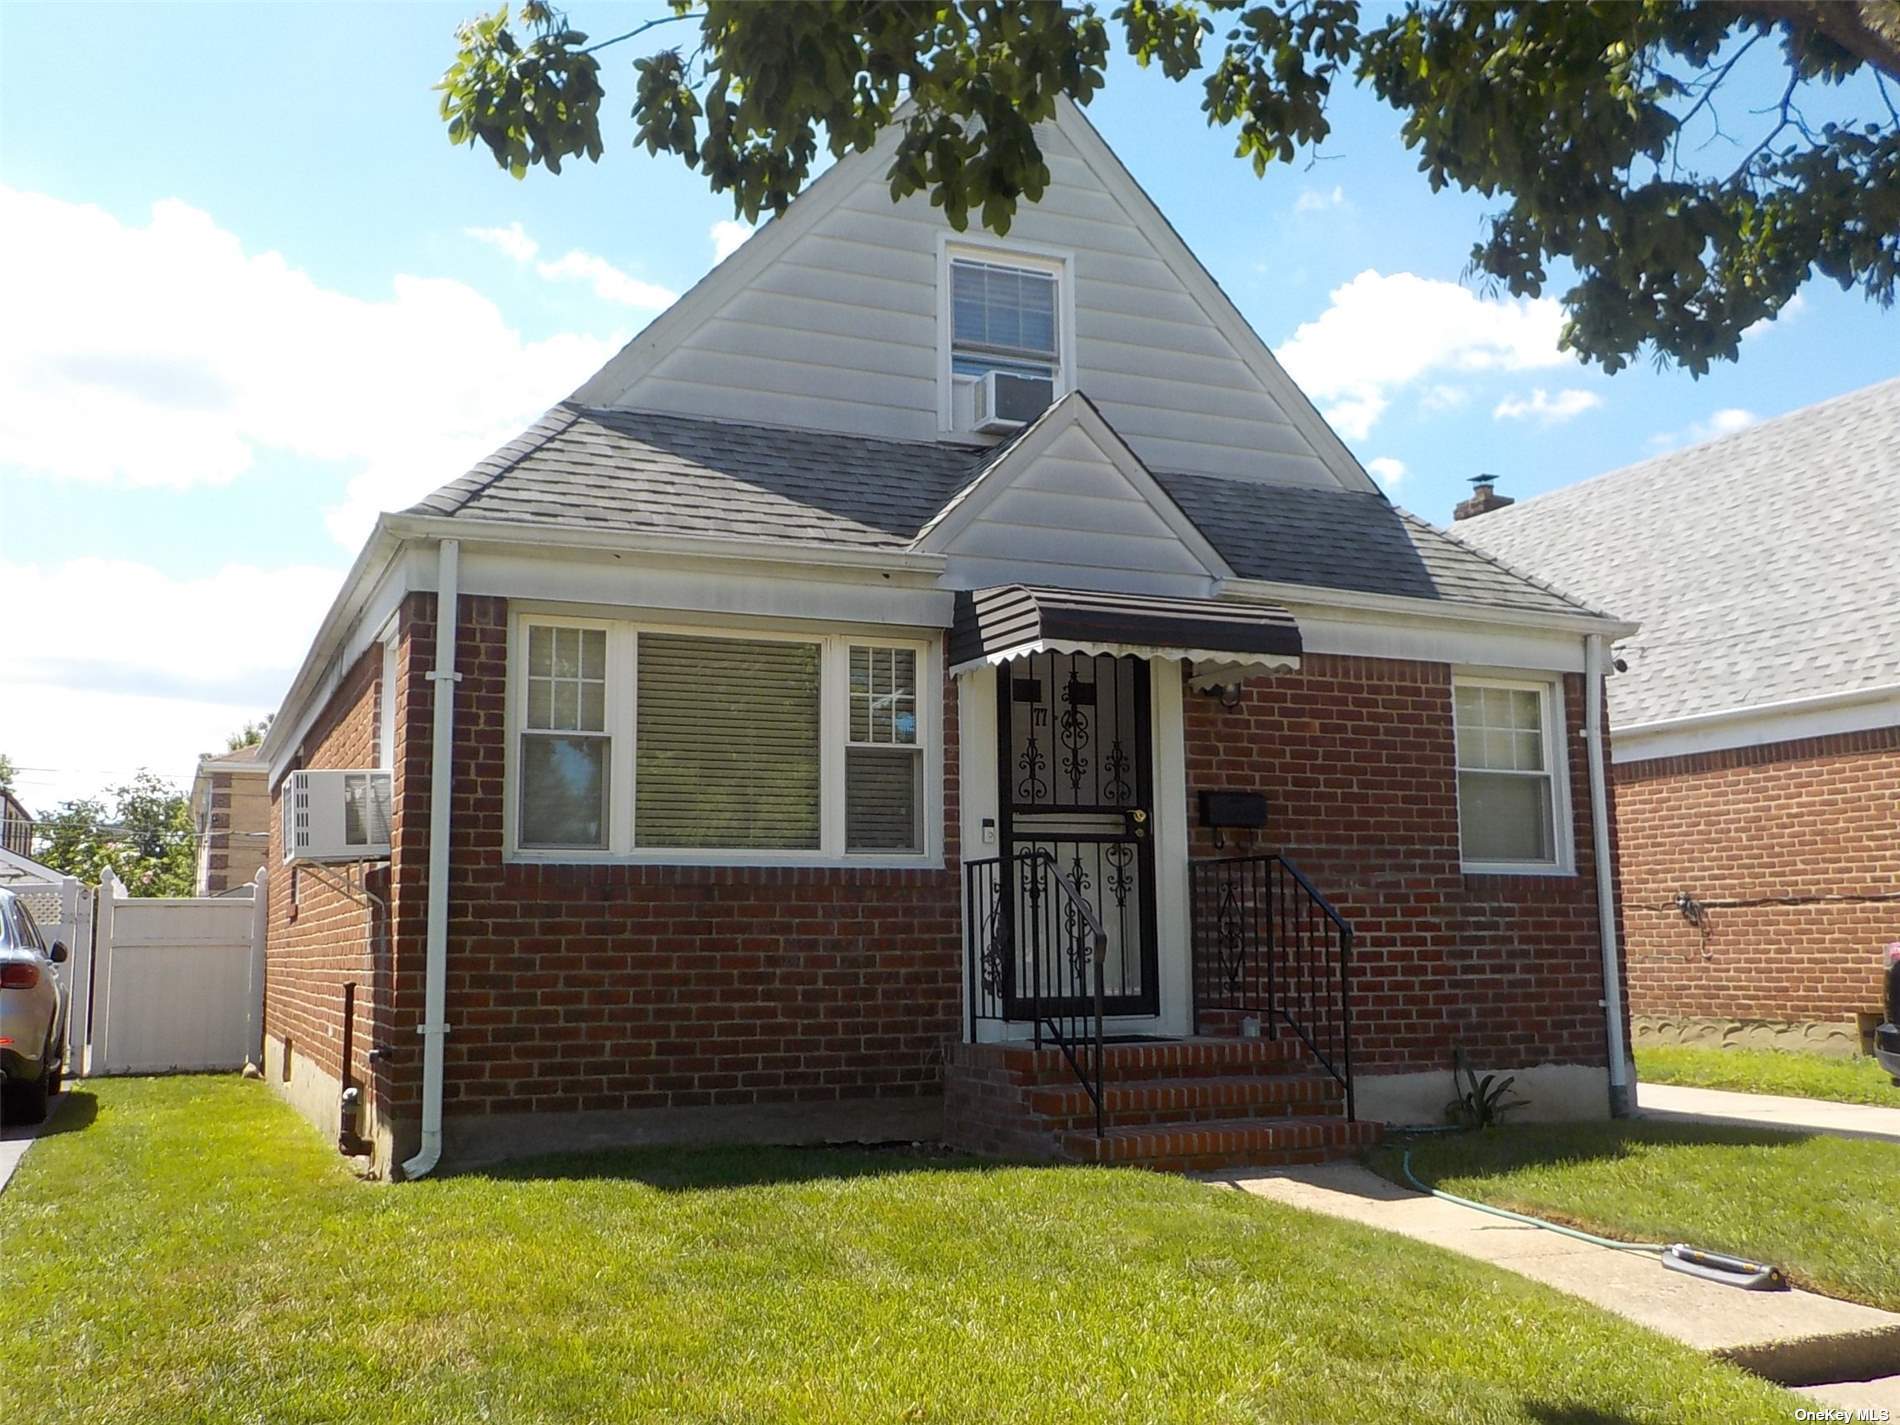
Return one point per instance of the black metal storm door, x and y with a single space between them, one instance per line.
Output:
1076 781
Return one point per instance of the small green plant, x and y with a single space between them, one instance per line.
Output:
1481 1102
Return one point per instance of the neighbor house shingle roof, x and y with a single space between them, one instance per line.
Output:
636 471
1763 567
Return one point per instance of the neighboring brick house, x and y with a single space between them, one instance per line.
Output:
16 825
230 811
898 609
1757 761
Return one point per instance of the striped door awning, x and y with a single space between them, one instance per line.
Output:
1015 620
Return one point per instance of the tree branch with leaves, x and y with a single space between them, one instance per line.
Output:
1574 116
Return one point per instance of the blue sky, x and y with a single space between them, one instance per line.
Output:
248 311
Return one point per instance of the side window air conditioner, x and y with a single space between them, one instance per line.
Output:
1006 402
337 815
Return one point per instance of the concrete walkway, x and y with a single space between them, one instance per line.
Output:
1850 1120
16 1138
1793 1337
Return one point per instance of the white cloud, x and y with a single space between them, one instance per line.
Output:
1313 200
726 235
511 240
1382 333
1355 418
167 355
166 668
610 284
1726 421
1545 408
1386 470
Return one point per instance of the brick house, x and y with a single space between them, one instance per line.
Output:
930 684
16 825
1757 761
230 810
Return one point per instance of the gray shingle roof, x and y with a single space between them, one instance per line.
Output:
636 471
633 471
1348 539
1763 567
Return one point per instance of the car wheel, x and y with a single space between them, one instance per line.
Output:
55 1076
26 1100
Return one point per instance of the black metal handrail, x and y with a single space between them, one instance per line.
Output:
1267 944
1037 953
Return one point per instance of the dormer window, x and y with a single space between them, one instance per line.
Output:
1006 319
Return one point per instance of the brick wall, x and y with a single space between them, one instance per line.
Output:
1792 848
634 987
236 832
320 937
630 987
1356 758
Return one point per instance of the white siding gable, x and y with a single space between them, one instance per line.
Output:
1070 505
830 318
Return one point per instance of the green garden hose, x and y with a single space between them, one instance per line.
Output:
1677 1256
1412 1178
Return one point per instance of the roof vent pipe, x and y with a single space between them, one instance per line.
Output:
434 1027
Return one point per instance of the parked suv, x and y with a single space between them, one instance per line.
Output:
1887 1037
32 1014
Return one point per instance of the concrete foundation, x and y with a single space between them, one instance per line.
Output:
1553 1093
471 1139
318 1096
1807 1036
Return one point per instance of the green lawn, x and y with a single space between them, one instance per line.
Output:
1844 1080
195 1253
1825 1209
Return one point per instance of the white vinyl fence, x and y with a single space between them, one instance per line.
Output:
62 907
176 984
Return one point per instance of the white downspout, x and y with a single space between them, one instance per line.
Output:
1606 883
441 774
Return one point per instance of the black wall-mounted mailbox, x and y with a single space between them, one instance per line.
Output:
1244 811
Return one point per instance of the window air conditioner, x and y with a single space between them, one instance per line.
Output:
336 815
1006 402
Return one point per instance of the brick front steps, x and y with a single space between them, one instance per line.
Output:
1234 1143
1176 1105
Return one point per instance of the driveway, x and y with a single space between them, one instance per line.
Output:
16 1138
1761 1110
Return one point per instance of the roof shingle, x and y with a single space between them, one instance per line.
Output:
1764 567
636 471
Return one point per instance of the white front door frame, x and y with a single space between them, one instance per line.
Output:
976 736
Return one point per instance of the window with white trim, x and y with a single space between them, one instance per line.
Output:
727 743
1510 788
715 744
563 764
884 763
1004 317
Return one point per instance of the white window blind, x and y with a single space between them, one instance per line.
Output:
883 763
727 743
1002 318
1506 792
565 748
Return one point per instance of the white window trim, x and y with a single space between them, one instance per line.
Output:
833 726
1563 840
386 705
1034 256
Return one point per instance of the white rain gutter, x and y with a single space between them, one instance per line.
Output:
434 1027
1593 658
